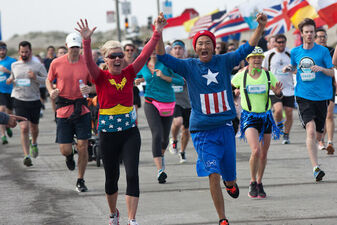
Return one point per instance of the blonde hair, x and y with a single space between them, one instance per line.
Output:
110 45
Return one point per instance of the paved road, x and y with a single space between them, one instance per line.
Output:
45 193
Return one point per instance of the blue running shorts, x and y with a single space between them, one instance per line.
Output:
216 152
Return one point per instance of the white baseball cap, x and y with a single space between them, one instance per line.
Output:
74 40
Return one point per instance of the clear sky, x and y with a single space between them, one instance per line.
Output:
23 16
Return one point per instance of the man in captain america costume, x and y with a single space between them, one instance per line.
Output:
208 79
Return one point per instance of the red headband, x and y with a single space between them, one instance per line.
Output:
203 33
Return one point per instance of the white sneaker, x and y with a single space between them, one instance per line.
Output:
132 222
173 147
114 219
182 157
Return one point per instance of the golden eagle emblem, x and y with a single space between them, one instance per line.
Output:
118 85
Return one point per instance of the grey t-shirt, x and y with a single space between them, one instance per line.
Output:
182 98
26 89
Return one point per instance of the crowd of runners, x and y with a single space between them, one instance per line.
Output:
226 91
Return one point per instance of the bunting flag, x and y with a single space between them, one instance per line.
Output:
278 20
327 10
299 10
232 23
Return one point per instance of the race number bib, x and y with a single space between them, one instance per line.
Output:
256 89
2 77
280 73
25 82
178 89
308 76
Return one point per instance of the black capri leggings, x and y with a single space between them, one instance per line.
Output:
124 144
160 127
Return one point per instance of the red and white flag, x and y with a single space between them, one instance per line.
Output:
327 10
214 102
175 26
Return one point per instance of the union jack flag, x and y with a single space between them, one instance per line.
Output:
278 19
214 102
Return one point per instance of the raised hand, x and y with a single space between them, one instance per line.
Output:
160 22
84 29
277 89
261 19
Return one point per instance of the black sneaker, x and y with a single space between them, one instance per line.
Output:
223 222
80 186
161 176
70 161
252 190
260 191
182 157
233 191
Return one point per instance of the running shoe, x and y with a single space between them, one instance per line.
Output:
286 139
223 222
173 147
318 173
80 186
330 149
161 176
4 140
132 222
33 150
114 218
182 157
233 191
9 132
321 145
260 191
252 190
70 161
27 161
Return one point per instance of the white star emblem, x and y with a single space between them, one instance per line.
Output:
111 126
103 122
119 129
127 115
111 117
211 77
104 130
133 125
127 124
119 120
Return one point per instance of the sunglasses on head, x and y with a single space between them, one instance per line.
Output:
115 55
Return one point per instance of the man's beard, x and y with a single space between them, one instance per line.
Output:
24 58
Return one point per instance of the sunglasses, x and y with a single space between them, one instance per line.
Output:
129 50
115 55
280 42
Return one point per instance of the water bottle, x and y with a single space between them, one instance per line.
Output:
82 85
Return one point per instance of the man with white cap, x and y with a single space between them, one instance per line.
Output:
72 113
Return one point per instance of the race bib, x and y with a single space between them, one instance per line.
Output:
256 89
308 76
25 82
279 72
178 89
2 77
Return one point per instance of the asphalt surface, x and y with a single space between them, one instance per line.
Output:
45 193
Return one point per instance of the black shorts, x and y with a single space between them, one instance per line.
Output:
67 129
136 97
28 109
184 113
6 100
333 93
43 93
312 110
287 101
257 123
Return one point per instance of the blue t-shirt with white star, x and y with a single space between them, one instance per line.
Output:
209 86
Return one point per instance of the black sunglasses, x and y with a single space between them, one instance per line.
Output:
115 55
280 42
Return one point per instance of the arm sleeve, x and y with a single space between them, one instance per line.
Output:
177 79
91 65
42 74
146 52
4 118
240 54
177 65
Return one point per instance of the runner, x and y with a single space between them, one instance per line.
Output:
119 135
256 122
313 88
6 102
208 79
182 110
27 75
275 59
159 108
72 112
321 39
